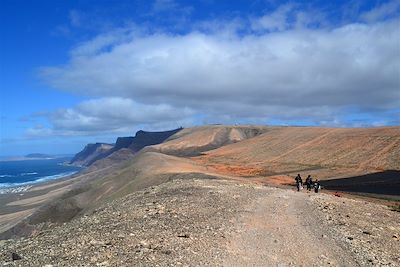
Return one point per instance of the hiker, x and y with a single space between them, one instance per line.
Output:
309 182
299 182
317 186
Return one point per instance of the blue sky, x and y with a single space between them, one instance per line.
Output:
74 72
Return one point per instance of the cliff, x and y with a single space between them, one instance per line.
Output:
95 152
90 153
143 138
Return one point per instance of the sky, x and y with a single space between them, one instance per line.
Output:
82 71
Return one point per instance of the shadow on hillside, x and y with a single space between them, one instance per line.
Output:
380 183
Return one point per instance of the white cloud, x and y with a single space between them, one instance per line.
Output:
315 67
102 42
381 12
288 72
106 115
274 21
110 115
39 130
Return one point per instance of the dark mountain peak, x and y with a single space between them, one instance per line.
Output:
90 152
143 138
139 133
123 142
97 151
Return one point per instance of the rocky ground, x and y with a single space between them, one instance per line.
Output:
370 231
182 222
288 228
209 222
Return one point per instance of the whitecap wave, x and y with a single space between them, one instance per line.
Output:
6 175
28 173
13 187
18 189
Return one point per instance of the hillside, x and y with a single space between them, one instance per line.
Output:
96 152
195 221
194 141
323 152
245 154
373 148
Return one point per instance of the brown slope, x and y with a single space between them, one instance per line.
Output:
99 184
291 149
124 172
194 141
238 151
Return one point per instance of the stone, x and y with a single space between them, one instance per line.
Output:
184 235
15 256
166 252
144 244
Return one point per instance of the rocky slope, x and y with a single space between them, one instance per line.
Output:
196 221
244 153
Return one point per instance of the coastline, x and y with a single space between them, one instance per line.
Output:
15 207
18 203
21 158
23 187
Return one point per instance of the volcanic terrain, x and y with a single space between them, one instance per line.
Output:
218 195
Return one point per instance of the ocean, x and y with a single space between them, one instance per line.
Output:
19 175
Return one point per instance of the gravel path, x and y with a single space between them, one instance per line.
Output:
276 230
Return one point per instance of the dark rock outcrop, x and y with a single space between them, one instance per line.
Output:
123 142
91 153
143 138
94 152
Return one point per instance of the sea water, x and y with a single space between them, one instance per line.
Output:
20 175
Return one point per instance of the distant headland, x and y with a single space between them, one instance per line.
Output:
32 156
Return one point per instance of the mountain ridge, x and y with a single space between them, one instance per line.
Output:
260 154
94 152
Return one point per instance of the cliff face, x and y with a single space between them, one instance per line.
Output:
143 138
95 152
123 142
90 153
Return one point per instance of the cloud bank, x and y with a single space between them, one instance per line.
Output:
275 69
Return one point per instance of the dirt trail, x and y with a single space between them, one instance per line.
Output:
277 230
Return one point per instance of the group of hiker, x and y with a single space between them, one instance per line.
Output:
309 183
